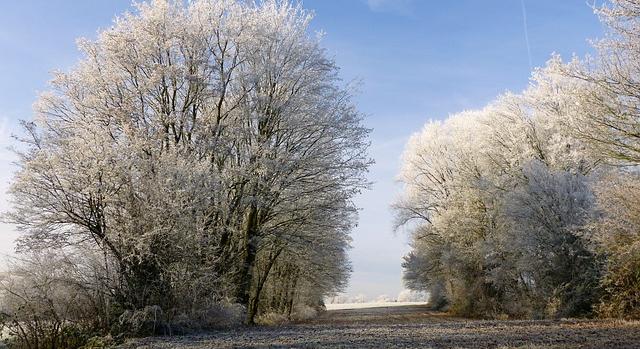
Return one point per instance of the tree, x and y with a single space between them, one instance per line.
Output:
198 146
555 265
461 179
609 95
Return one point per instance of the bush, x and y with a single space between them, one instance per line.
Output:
271 319
622 287
616 236
145 322
303 312
43 306
214 316
300 312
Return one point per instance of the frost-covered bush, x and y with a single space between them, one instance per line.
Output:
217 315
45 304
616 235
299 313
304 312
148 321
272 318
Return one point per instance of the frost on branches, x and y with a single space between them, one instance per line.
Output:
208 151
526 208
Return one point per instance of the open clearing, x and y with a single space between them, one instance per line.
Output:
415 326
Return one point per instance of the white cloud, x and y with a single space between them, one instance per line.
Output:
402 7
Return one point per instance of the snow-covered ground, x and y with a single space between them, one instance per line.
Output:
370 305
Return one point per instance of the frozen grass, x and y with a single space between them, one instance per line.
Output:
411 327
370 305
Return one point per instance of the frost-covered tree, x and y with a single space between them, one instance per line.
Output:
359 298
461 178
516 208
412 296
197 145
556 269
609 97
610 93
448 203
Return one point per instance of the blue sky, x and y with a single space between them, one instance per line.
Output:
417 60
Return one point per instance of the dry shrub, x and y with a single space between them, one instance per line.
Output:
303 312
217 315
617 236
144 322
271 318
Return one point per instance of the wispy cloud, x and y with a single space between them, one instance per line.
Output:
526 33
402 7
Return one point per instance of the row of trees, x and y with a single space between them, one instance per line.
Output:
199 155
404 296
530 207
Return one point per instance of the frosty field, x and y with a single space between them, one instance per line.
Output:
415 326
345 306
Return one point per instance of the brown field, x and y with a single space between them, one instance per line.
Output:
412 327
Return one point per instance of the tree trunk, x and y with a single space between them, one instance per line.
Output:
254 302
249 250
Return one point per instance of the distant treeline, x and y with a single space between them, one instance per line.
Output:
530 207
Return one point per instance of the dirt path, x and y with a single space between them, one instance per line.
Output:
413 327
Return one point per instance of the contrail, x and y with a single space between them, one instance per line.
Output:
526 33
